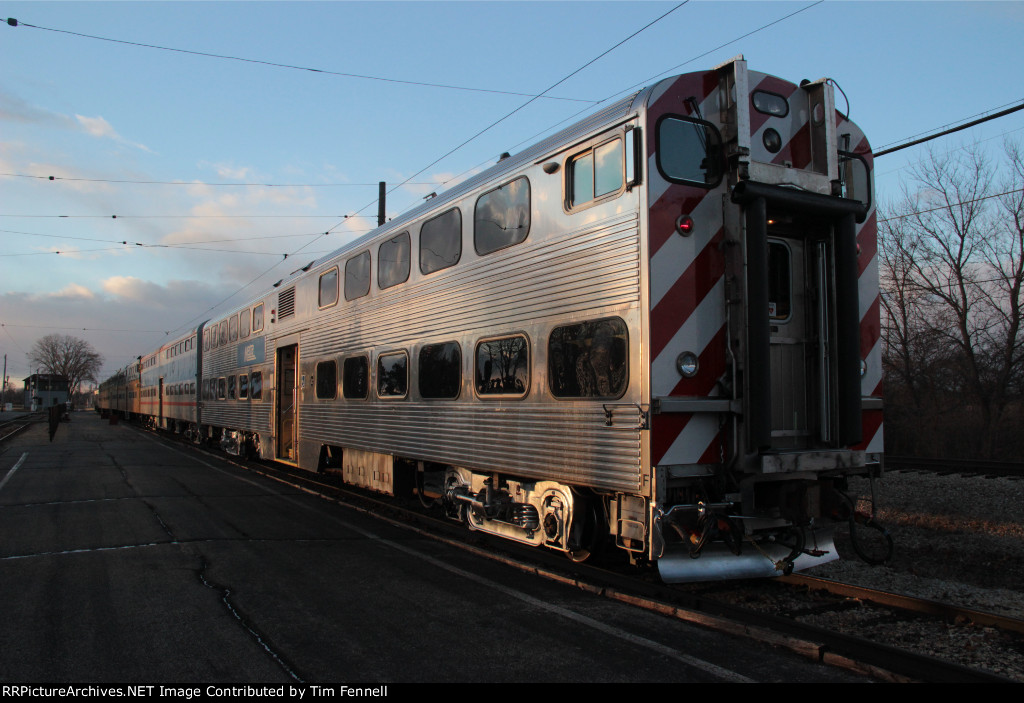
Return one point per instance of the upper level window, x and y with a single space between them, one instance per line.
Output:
357 276
502 217
441 241
222 332
393 259
596 173
503 366
233 328
329 288
257 318
589 359
244 318
689 151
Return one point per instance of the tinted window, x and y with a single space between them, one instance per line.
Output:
778 281
222 332
243 323
440 370
243 386
256 386
329 288
503 366
233 328
357 276
392 375
393 259
502 217
589 359
231 387
688 151
441 241
355 382
326 379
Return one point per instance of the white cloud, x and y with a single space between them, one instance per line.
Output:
73 291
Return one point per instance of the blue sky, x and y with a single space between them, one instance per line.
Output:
81 108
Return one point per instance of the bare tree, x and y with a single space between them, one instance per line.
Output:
952 266
66 356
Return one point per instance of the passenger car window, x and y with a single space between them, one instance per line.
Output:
596 173
355 379
329 288
327 379
502 217
392 375
441 241
357 276
589 359
503 366
393 261
440 370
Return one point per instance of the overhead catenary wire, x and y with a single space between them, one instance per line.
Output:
12 22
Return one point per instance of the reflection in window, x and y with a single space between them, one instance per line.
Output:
589 359
231 387
222 332
326 379
440 370
596 173
256 385
502 217
243 386
441 241
233 328
355 380
329 288
503 366
243 323
688 151
393 259
357 276
392 375
222 388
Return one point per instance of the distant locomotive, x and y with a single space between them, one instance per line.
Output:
657 329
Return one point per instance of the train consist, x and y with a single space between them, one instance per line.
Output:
655 331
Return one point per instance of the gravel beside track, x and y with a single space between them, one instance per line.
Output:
958 539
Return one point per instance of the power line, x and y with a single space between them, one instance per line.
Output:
180 217
197 183
973 123
15 23
532 99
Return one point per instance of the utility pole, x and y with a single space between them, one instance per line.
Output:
380 203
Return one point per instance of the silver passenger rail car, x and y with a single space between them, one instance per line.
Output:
657 329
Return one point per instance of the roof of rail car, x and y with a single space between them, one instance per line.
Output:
607 116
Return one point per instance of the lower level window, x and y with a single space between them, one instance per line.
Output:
503 366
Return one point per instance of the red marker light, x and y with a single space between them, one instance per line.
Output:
684 225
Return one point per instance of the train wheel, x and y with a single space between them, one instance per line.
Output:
587 535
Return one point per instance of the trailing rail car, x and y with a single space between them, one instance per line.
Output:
656 331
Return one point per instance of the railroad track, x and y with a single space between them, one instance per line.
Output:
10 428
716 606
956 466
